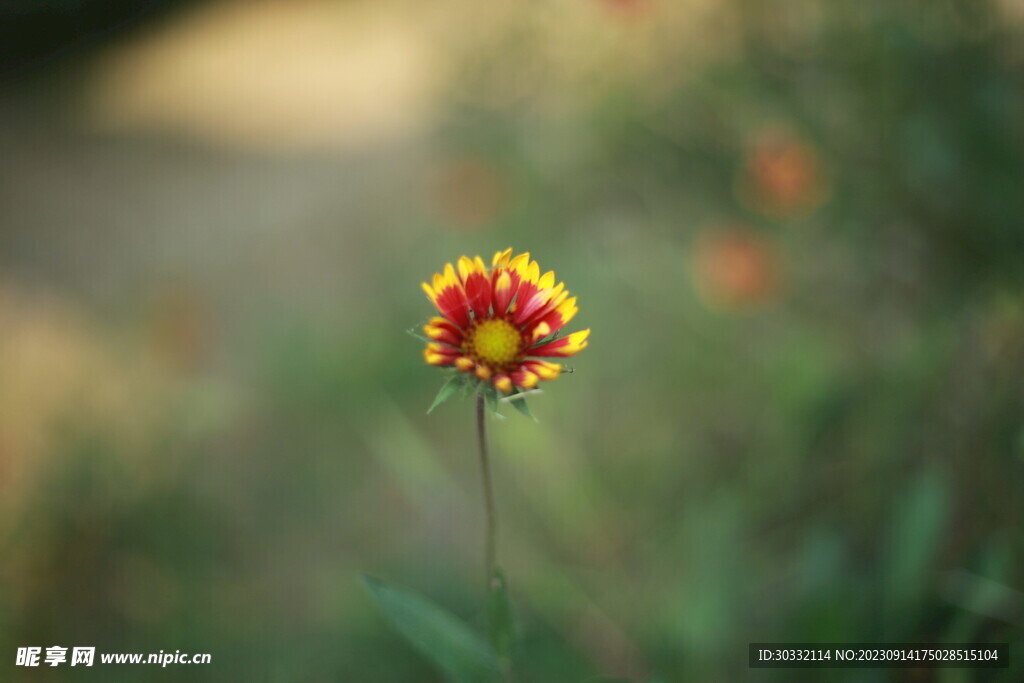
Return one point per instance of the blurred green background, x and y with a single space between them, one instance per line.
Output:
793 226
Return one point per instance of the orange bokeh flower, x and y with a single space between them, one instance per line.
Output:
735 269
501 323
628 9
782 175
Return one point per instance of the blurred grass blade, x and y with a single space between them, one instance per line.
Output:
448 389
438 635
499 618
916 533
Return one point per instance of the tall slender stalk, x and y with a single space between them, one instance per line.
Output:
490 541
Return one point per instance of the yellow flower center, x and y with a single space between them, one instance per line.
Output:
494 342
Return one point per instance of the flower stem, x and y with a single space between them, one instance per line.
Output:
490 542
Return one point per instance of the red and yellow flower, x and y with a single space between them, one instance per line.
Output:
500 322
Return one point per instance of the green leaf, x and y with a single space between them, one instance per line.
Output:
448 389
438 635
499 617
470 387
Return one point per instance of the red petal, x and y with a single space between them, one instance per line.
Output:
505 283
443 335
524 379
478 293
566 346
451 301
525 307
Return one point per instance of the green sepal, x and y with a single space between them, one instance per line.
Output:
491 398
523 408
469 386
447 390
518 401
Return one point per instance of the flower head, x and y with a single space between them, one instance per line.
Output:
501 323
